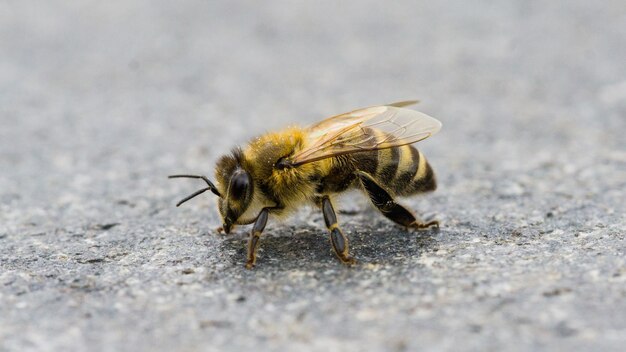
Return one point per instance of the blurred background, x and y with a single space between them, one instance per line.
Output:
99 101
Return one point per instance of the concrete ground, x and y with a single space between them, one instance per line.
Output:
100 101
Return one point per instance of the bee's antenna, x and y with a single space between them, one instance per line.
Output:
211 187
192 195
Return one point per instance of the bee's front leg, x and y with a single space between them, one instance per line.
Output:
255 235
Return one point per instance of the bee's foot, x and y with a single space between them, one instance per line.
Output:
347 260
250 265
348 212
423 226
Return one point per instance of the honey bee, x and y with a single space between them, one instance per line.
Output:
367 149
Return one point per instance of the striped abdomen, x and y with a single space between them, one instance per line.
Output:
401 170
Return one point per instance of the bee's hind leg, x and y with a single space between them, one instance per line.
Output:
337 238
392 210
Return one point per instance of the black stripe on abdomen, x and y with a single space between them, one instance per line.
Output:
427 182
405 176
390 158
366 161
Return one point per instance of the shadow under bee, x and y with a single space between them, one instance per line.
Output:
292 247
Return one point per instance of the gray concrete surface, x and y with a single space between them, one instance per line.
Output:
100 101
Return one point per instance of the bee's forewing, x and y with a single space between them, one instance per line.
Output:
372 128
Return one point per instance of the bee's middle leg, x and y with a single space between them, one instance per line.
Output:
337 238
388 206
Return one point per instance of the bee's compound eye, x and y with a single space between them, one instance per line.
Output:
239 184
282 163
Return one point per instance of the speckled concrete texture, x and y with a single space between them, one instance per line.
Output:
100 101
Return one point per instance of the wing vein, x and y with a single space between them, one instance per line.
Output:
367 129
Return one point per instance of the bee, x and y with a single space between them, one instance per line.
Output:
367 149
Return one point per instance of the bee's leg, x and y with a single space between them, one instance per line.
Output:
392 210
253 243
337 238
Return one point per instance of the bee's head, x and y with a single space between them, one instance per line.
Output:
235 188
237 199
238 187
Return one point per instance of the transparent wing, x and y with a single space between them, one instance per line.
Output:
372 128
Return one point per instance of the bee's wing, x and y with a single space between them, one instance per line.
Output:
372 128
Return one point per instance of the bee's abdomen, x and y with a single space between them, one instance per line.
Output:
402 170
414 173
